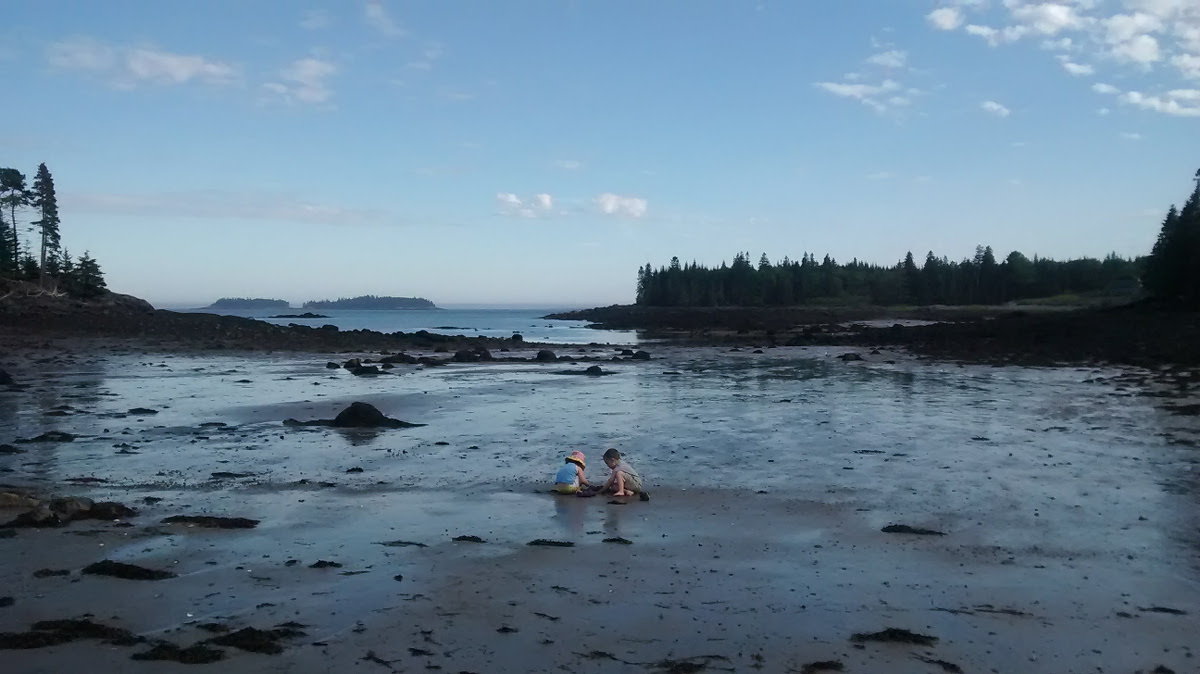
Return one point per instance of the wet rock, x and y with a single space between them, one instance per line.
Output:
822 666
50 436
50 573
618 539
594 371
323 564
402 544
9 449
256 640
366 371
399 359
946 666
221 475
484 354
850 356
5 602
142 411
210 522
544 542
505 629
108 567
468 539
517 337
628 352
6 379
352 363
68 509
12 500
905 529
895 635
466 356
54 632
356 469
196 654
109 510
545 356
357 415
36 518
1163 609
331 366
641 355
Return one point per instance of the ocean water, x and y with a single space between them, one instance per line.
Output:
468 322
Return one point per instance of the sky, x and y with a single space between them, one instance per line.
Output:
539 152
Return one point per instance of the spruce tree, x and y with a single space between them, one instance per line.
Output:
14 196
7 258
44 199
88 279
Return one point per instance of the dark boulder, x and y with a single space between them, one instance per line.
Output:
850 356
6 379
484 354
626 352
71 508
399 358
110 510
35 519
363 415
518 337
594 371
545 356
641 355
365 371
332 366
352 363
466 356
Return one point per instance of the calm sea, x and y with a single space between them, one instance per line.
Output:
469 322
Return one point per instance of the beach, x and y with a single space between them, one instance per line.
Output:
1039 519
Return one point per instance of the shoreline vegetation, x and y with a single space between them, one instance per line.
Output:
372 302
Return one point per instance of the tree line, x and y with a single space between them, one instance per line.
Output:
1173 269
53 268
1171 272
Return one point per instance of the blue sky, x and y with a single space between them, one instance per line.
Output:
539 152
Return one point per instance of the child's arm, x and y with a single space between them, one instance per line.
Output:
609 483
582 478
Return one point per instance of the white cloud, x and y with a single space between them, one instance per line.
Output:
129 67
1141 49
880 96
1178 102
378 18
995 108
615 204
1131 136
568 164
1078 69
889 59
1107 89
996 37
314 19
1188 65
510 204
1049 18
304 81
1103 112
945 18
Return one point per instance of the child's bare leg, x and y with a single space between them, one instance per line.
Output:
621 486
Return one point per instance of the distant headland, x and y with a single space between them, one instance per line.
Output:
248 303
372 302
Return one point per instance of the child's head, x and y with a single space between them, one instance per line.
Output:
612 457
577 458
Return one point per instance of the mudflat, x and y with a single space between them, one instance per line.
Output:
888 514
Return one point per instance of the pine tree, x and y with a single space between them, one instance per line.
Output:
88 280
7 258
44 199
14 196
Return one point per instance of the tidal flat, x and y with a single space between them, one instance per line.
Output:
1060 511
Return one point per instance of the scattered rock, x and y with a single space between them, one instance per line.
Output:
822 666
332 366
50 436
895 635
48 573
12 500
399 358
322 564
366 371
356 469
196 654
127 571
357 415
507 630
37 518
1162 609
142 411
402 544
9 449
352 363
466 356
220 475
946 666
641 355
905 529
549 543
256 640
850 356
618 539
468 539
54 632
545 356
6 379
209 522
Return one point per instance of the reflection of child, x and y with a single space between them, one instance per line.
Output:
570 477
624 480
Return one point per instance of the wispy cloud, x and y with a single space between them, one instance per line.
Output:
1127 135
995 108
880 97
538 206
314 19
222 205
889 59
378 18
621 206
568 164
945 18
304 81
126 67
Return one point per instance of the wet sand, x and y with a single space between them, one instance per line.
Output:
1067 499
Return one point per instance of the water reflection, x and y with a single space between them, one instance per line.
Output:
569 513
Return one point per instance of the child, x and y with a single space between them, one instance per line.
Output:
624 480
570 477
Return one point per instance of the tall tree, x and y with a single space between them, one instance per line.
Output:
44 200
14 196
88 279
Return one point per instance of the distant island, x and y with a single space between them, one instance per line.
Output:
248 303
307 314
372 302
